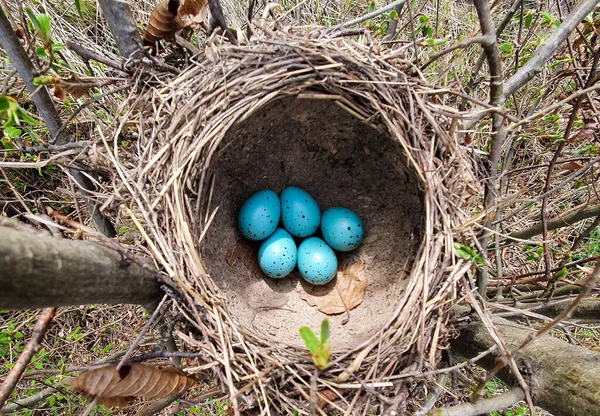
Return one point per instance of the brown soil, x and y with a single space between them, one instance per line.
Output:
340 161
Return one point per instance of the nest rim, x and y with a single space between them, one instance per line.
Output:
240 83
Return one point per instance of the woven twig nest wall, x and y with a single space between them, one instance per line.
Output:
353 130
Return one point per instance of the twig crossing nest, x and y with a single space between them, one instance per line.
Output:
213 135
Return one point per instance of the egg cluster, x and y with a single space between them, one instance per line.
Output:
300 217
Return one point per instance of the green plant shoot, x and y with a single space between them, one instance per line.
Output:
41 24
320 350
10 108
466 253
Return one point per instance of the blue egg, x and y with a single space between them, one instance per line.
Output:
259 215
316 261
277 254
300 213
342 229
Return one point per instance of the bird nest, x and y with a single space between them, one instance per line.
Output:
352 129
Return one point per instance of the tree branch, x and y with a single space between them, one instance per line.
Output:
39 271
556 223
564 379
29 401
534 65
483 406
47 110
32 347
121 23
498 133
371 15
22 63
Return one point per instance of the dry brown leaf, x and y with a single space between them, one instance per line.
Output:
585 133
76 86
342 294
169 16
115 388
324 397
189 12
572 165
59 93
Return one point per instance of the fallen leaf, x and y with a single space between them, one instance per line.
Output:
572 165
169 16
342 294
114 388
324 397
585 133
76 86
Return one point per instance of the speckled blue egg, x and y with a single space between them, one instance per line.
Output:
316 261
300 213
259 215
277 255
342 229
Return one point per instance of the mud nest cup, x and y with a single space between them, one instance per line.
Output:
353 130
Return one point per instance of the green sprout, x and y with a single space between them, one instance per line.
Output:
466 253
319 349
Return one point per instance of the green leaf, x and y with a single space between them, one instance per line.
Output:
78 8
466 253
394 15
41 24
24 115
108 348
506 47
41 52
310 339
12 132
528 20
324 331
547 18
561 274
6 102
6 144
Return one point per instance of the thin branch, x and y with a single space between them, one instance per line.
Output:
32 347
552 108
371 15
434 394
40 96
534 65
505 358
556 223
561 185
463 44
54 148
484 406
29 401
584 234
498 133
392 26
88 55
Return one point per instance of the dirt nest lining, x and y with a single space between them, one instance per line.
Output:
340 161
354 131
